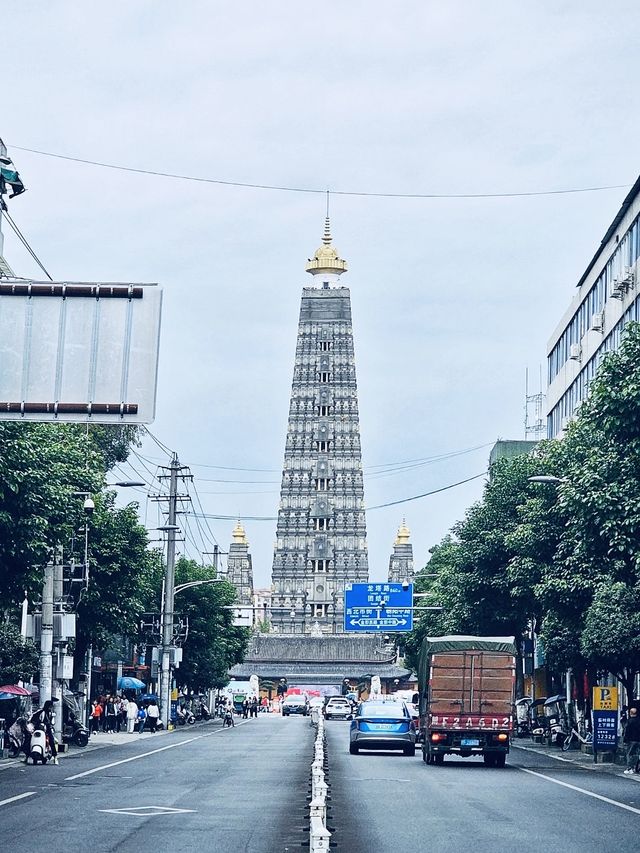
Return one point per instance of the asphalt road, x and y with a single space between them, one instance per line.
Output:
242 789
536 804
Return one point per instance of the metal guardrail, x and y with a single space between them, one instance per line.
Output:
319 835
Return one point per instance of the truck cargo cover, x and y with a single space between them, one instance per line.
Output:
460 643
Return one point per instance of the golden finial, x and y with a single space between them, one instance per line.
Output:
239 534
403 534
326 258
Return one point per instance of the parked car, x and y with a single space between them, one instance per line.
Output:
295 704
338 708
382 725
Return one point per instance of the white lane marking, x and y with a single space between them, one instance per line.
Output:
18 797
147 811
582 791
136 757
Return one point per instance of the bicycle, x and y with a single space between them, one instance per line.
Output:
575 734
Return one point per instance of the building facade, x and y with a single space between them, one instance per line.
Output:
321 543
607 298
401 559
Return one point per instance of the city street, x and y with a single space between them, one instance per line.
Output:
240 789
386 801
244 789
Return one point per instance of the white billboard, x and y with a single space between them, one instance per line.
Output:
81 351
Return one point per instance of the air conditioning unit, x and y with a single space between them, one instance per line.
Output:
597 321
575 352
627 279
616 288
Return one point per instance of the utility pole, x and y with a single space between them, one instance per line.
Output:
58 607
169 583
46 635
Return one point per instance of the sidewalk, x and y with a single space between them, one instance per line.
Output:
102 740
575 757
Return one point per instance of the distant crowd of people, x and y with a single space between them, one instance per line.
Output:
114 713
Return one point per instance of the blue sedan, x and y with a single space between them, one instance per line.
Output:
382 725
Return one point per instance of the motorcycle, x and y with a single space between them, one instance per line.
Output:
185 716
39 749
202 712
228 718
74 732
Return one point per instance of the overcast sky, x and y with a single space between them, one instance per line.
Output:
452 298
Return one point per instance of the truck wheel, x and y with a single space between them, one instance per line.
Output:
489 760
500 759
438 759
425 755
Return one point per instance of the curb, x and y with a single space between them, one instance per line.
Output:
587 764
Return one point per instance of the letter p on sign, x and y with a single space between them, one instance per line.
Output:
605 698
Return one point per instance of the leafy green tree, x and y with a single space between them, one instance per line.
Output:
213 644
18 659
611 633
125 576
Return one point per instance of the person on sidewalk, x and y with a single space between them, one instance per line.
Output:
153 714
96 714
142 719
632 740
132 714
111 713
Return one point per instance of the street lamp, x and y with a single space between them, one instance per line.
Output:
548 478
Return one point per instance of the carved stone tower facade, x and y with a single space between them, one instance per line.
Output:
321 539
401 560
239 568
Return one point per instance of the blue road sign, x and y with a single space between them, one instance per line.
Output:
371 607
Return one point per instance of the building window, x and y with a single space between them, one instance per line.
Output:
322 484
325 346
322 445
319 565
322 524
325 376
319 610
323 411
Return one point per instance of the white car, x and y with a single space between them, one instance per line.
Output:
338 708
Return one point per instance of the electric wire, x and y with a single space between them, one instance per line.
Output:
366 509
160 444
25 243
315 190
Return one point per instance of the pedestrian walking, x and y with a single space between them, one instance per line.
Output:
132 714
111 713
632 740
245 708
141 719
96 714
121 722
153 713
254 707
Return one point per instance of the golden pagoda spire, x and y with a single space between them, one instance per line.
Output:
326 260
239 534
403 534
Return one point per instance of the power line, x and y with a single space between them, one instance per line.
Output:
25 243
291 189
426 494
366 509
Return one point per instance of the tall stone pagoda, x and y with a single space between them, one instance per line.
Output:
401 559
321 539
239 568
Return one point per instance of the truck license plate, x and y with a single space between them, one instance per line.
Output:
469 741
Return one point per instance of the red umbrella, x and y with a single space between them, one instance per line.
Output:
14 690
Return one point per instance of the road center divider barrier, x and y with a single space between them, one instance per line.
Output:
319 835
